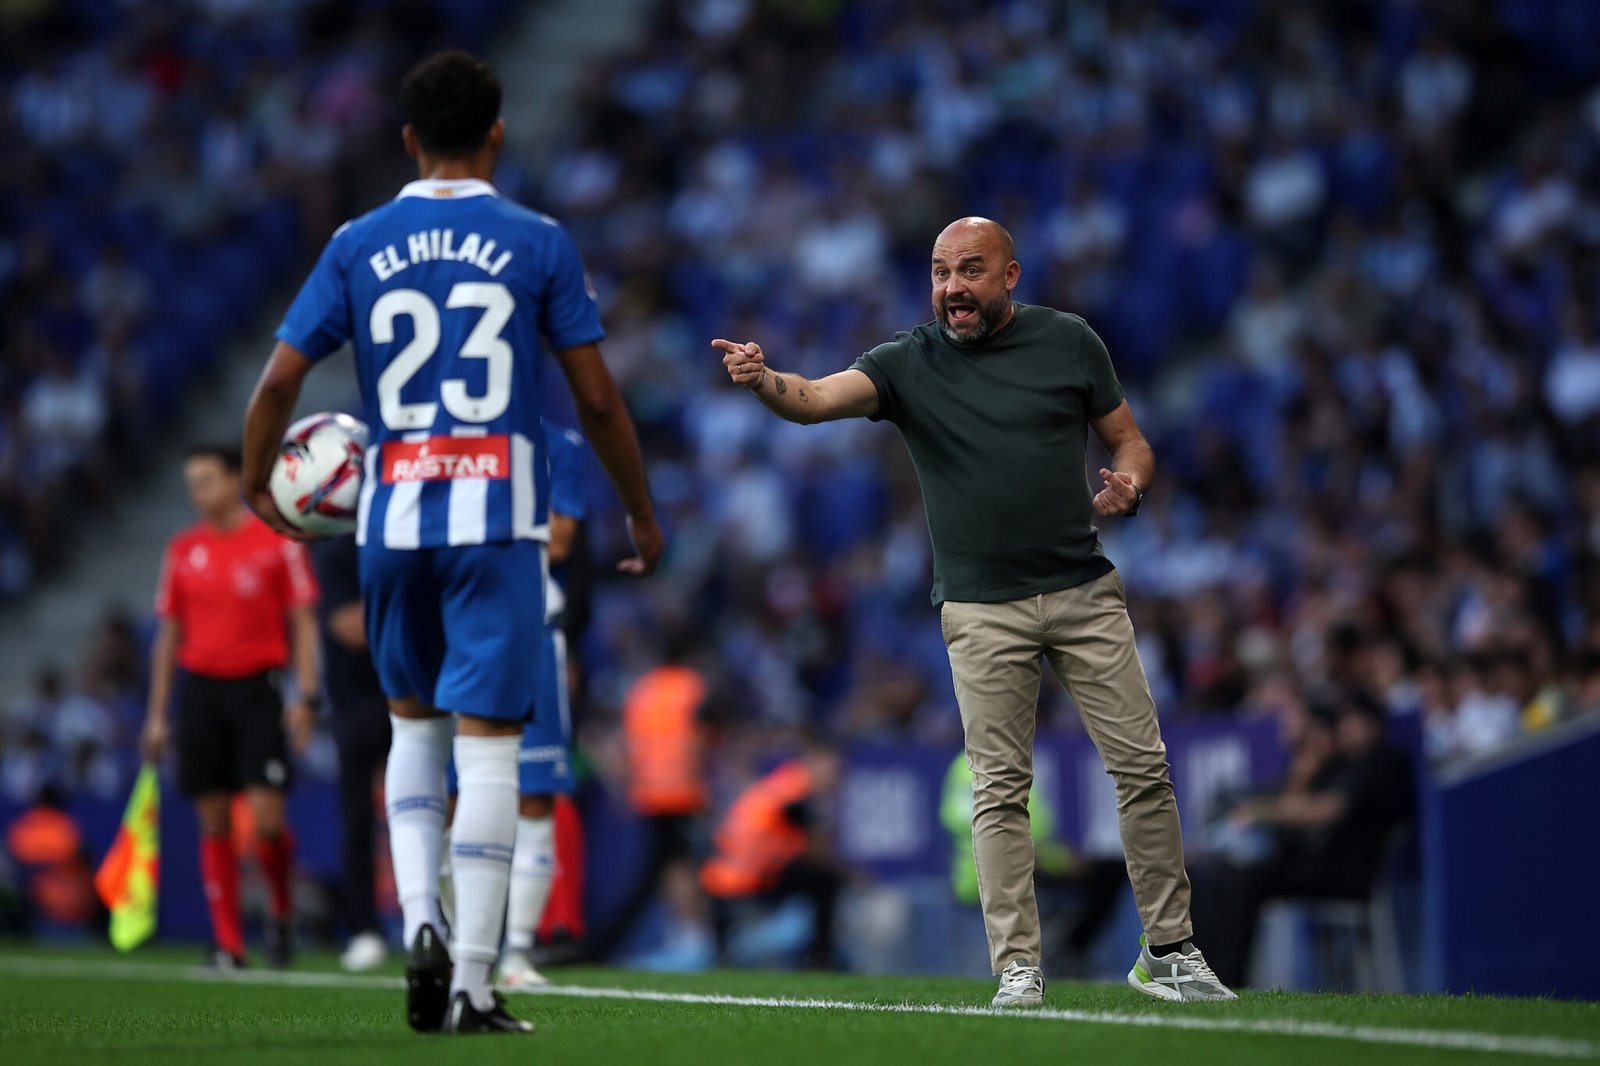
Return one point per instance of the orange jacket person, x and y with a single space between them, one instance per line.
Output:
663 730
772 845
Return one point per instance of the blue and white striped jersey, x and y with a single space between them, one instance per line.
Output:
445 294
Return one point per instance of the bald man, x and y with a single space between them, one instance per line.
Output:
993 399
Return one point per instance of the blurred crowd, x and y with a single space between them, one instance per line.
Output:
1344 256
75 733
166 166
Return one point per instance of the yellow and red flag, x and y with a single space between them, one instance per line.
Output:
128 877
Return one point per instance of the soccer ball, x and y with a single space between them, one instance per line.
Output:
316 481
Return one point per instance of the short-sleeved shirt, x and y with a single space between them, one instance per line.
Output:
998 431
446 294
230 592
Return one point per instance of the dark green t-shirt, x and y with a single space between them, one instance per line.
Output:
997 432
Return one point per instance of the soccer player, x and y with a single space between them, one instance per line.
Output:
235 606
545 762
994 400
444 294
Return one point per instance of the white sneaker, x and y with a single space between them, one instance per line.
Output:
366 951
1184 974
516 971
1020 986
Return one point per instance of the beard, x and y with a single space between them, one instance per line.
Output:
986 321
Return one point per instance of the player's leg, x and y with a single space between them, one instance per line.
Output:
994 662
1093 654
263 758
401 602
219 873
543 771
532 871
561 930
414 794
206 774
492 604
482 842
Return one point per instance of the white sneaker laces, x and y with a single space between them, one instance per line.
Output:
1020 979
1200 968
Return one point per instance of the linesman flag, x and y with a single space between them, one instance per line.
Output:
128 878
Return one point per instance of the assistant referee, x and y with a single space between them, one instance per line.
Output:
994 400
234 598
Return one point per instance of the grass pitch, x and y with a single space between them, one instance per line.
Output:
85 1007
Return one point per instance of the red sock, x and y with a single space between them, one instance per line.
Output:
219 872
276 855
564 911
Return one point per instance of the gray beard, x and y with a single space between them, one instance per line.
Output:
984 327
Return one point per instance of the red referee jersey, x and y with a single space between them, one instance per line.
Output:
230 593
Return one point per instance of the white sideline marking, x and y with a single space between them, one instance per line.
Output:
1548 1047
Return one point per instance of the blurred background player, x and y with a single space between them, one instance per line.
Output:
545 761
773 844
235 606
664 732
445 294
359 716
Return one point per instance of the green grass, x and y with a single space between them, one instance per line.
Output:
155 1012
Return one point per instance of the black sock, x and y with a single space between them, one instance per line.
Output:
1162 950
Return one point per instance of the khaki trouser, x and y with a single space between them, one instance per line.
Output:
1085 635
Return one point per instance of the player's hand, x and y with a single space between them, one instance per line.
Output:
746 365
300 722
645 533
261 502
153 740
1119 495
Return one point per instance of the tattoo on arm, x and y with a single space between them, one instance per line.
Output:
778 382
763 382
803 397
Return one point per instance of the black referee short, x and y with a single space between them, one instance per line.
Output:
229 734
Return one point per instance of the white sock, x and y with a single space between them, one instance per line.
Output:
447 882
533 867
413 786
481 843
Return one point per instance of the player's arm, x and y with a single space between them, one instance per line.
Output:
348 625
563 531
266 419
163 663
609 427
1133 464
847 394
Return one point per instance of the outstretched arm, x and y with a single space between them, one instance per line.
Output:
847 394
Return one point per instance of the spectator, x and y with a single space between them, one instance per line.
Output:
773 845
1325 833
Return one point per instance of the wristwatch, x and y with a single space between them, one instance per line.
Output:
1138 501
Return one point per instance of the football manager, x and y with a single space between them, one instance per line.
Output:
994 400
